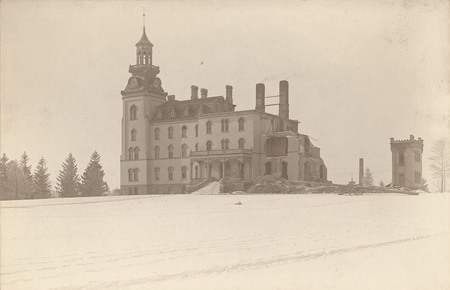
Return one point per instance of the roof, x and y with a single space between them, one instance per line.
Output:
144 39
176 103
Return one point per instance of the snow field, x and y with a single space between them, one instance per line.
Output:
379 241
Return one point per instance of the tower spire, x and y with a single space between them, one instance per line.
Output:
143 17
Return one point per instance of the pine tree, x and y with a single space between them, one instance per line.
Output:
68 181
368 178
15 181
27 185
42 186
92 183
4 180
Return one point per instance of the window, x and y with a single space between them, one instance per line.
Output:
130 174
225 144
241 143
131 153
157 134
208 146
136 174
208 127
401 158
157 173
401 179
133 135
133 112
196 146
170 170
136 153
183 131
170 151
170 132
196 130
417 177
172 113
157 152
241 124
183 172
417 157
184 151
224 124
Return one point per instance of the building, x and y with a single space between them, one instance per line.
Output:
407 162
177 146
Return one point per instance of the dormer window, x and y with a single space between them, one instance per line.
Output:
172 113
133 112
159 115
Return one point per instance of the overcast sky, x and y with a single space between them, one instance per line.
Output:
359 72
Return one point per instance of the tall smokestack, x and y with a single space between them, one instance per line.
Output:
284 100
260 98
361 171
229 94
194 92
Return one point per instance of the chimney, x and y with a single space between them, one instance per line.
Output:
194 92
204 93
411 137
260 97
284 100
229 94
361 171
171 98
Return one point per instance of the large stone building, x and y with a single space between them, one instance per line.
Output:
407 162
176 146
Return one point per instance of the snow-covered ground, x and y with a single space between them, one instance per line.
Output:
383 241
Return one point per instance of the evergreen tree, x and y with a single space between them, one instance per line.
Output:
68 181
42 186
5 191
368 178
15 180
92 183
27 185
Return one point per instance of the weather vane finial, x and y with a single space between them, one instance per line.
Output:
143 16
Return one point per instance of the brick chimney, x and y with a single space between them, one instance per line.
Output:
194 92
229 94
171 98
260 98
204 93
284 100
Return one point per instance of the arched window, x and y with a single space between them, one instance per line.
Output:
225 144
133 135
170 130
170 170
208 127
186 111
184 172
133 112
136 153
144 58
241 143
136 174
208 146
222 123
172 113
222 143
196 146
170 151
157 134
157 152
183 131
131 153
196 130
241 124
157 173
130 174
159 115
184 151
226 125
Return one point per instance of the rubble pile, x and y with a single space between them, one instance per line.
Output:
271 184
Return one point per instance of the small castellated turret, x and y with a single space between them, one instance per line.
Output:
407 162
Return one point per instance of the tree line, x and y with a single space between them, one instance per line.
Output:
18 182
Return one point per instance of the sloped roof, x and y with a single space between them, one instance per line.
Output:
144 39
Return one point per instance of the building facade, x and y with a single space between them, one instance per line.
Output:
407 162
176 146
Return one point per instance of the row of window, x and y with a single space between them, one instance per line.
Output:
170 170
417 178
133 153
224 123
133 174
184 149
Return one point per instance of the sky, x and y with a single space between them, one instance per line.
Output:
359 72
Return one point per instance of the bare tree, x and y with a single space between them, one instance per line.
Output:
440 162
